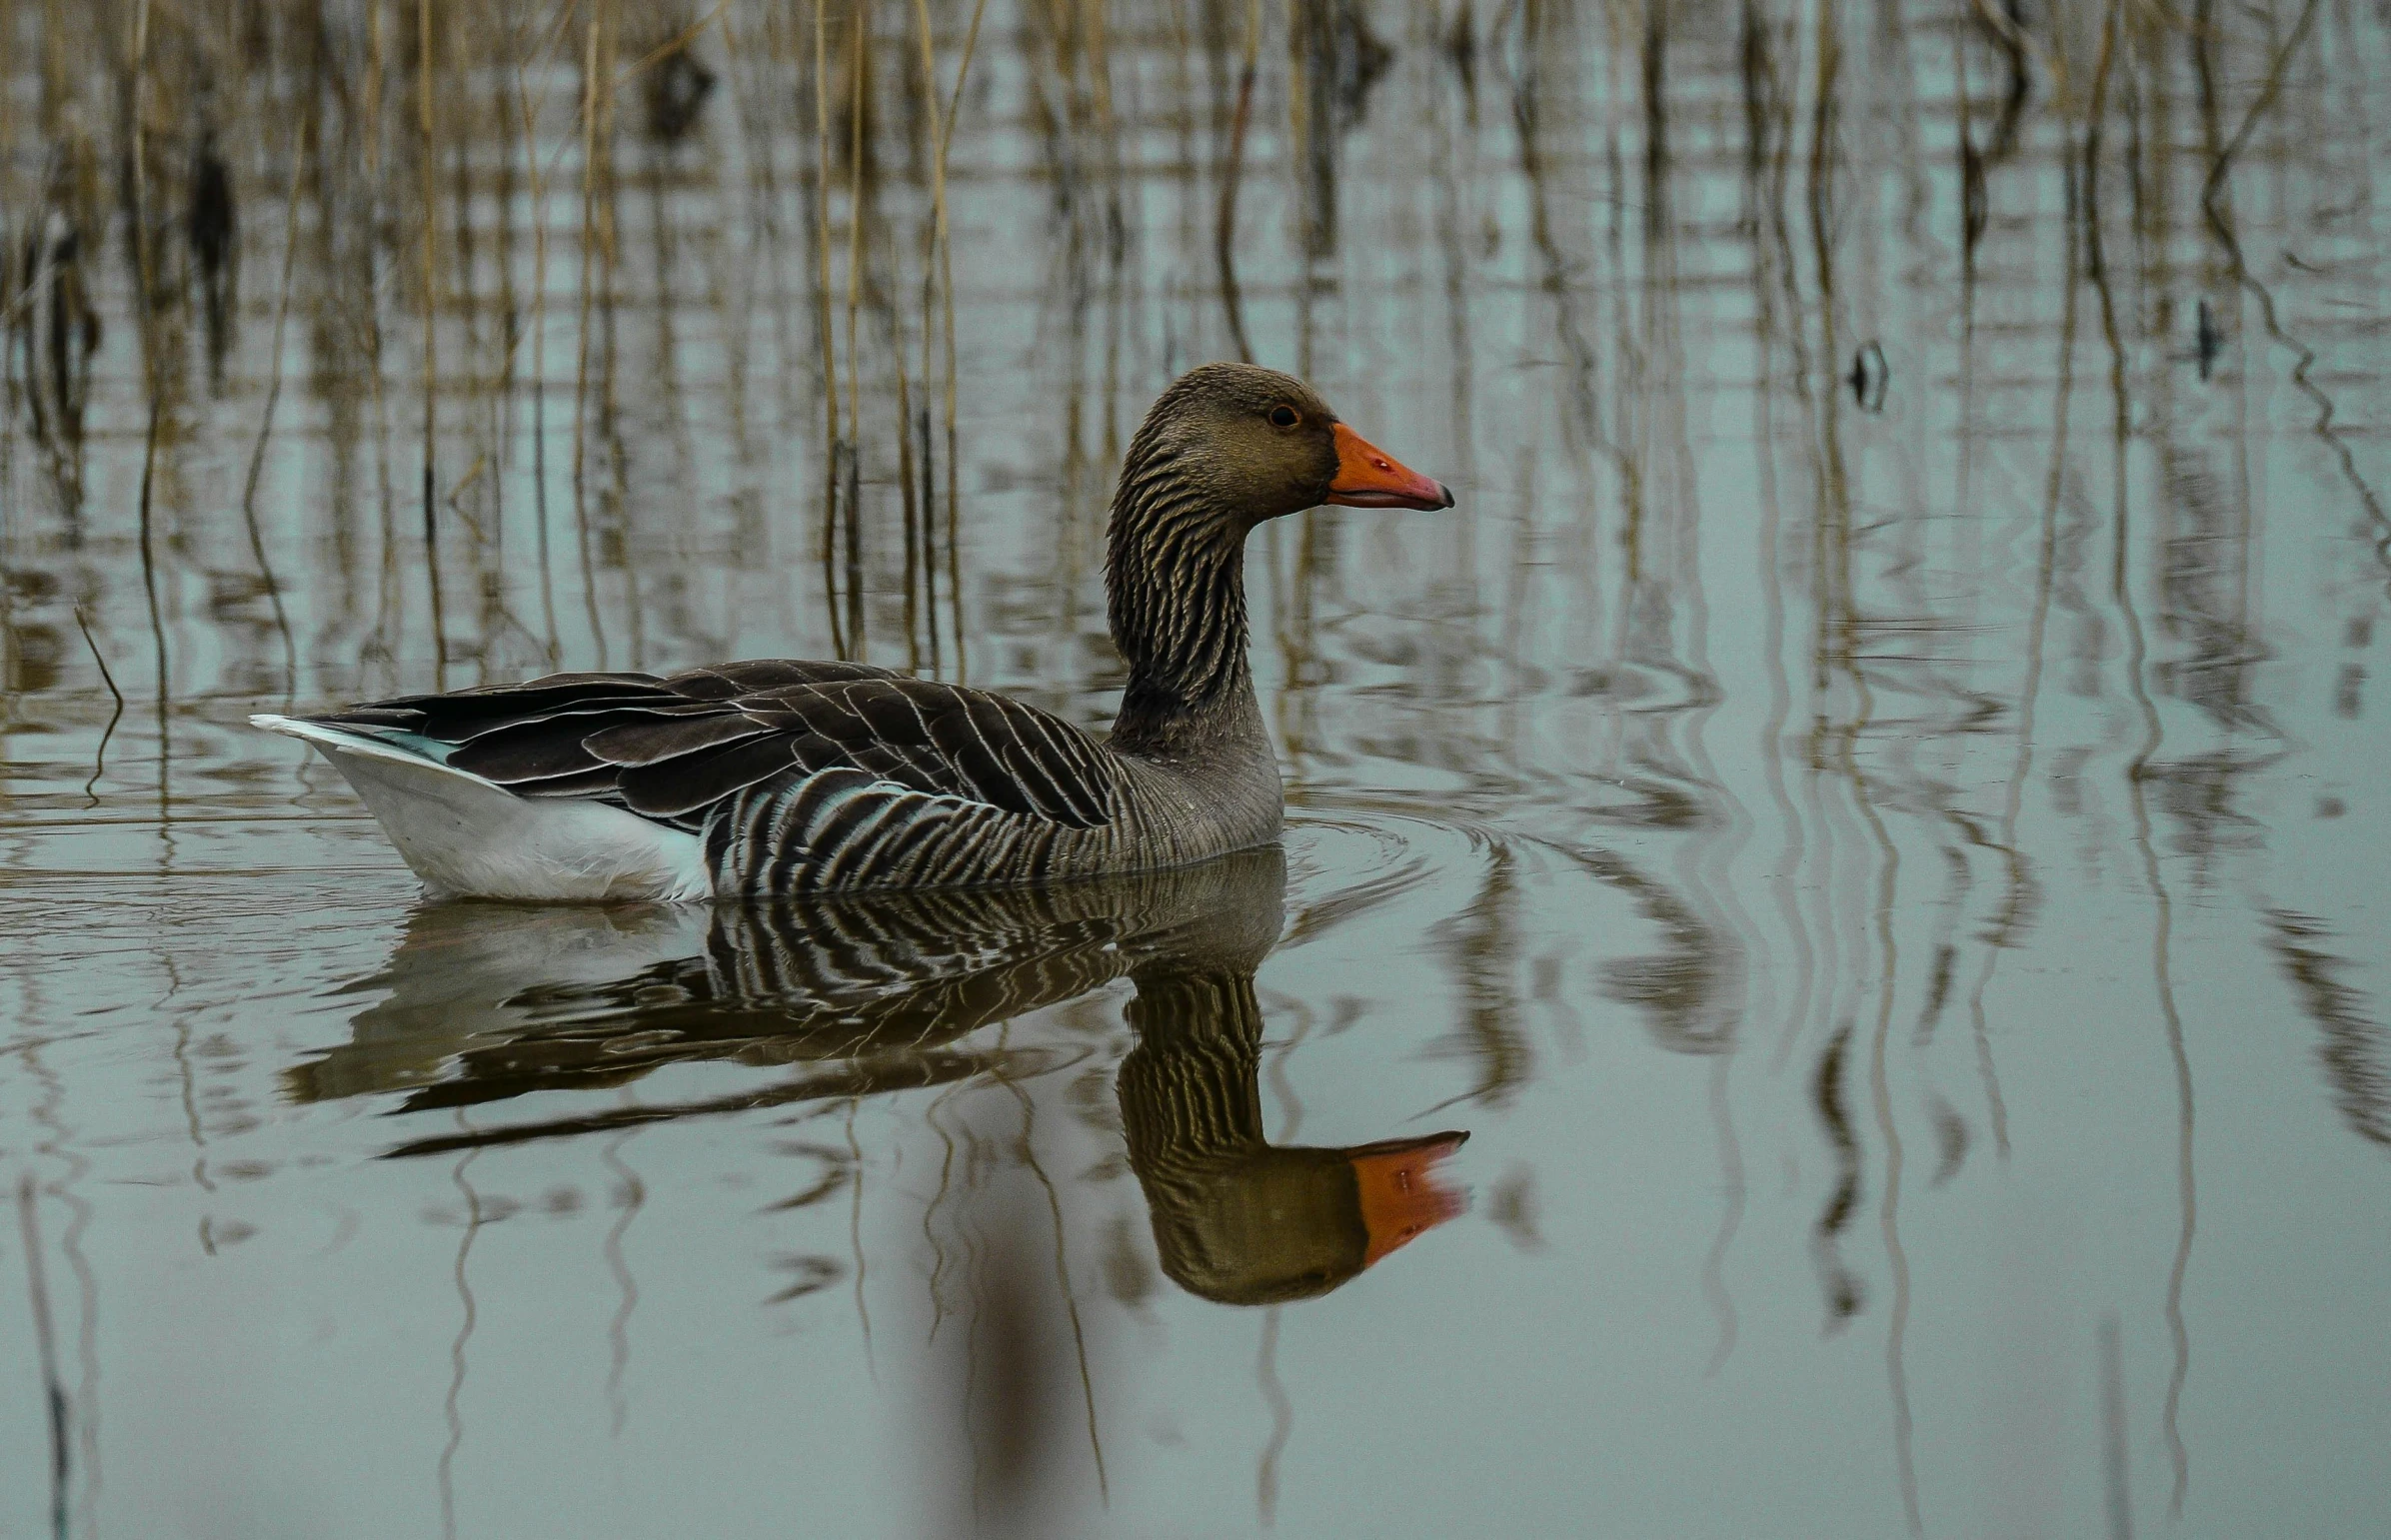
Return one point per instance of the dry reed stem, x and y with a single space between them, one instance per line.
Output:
145 275
904 483
931 269
829 360
963 71
431 345
580 367
265 426
1224 248
538 185
858 26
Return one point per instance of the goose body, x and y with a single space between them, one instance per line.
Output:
776 777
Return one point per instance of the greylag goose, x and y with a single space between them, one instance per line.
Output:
778 776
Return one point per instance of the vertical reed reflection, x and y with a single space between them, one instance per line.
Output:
45 1337
626 1195
1282 1418
1027 1147
81 1412
469 1314
2138 774
855 1241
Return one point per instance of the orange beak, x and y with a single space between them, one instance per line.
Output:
1401 1199
1368 477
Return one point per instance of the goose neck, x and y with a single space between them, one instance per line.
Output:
1176 589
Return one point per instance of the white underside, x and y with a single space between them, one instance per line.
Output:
466 835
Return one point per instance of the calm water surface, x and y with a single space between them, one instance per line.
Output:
1865 816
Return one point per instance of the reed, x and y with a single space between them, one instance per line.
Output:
436 187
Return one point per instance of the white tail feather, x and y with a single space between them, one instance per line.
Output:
468 835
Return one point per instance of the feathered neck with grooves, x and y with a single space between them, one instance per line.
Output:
1175 585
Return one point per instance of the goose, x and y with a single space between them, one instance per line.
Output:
776 777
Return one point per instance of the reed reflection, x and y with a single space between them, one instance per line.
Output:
486 1002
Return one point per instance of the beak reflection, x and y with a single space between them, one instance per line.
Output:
1400 1196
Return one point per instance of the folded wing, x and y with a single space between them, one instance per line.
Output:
677 748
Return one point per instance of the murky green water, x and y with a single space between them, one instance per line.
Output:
1865 814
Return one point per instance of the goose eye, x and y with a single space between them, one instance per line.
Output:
1284 417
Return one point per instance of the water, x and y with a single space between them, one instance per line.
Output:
1860 816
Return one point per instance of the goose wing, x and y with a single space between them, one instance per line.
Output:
679 748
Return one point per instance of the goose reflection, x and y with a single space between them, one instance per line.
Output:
1235 1218
483 1002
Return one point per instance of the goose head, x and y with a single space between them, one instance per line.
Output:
1227 448
1231 446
